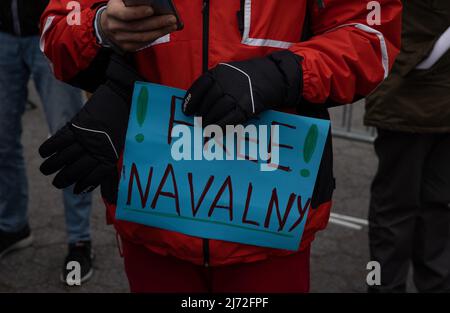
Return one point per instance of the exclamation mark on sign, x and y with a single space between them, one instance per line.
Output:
309 148
141 111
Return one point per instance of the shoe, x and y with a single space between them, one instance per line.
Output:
82 253
15 241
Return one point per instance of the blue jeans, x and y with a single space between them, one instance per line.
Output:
20 59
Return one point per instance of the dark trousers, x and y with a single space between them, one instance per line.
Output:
410 211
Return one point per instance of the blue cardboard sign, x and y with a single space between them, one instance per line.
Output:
242 197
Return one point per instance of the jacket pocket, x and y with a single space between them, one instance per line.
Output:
272 23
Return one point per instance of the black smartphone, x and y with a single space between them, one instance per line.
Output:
161 7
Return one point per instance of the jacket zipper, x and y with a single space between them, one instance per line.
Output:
205 67
205 36
15 17
241 17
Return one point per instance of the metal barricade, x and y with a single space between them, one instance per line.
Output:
347 123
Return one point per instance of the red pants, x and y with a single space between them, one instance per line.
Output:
152 273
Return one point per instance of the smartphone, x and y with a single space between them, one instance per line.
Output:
161 7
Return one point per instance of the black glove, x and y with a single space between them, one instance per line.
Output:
232 93
86 150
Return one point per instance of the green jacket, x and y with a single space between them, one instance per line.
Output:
414 100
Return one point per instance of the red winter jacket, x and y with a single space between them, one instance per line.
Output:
344 58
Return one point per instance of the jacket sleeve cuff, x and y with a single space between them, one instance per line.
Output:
88 43
72 48
101 38
308 87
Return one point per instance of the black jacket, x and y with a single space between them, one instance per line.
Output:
413 100
21 17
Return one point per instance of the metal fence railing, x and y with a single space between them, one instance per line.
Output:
347 123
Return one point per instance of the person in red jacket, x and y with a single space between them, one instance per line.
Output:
237 59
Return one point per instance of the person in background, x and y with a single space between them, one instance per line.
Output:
20 59
410 197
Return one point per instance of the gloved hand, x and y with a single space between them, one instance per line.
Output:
85 151
232 93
